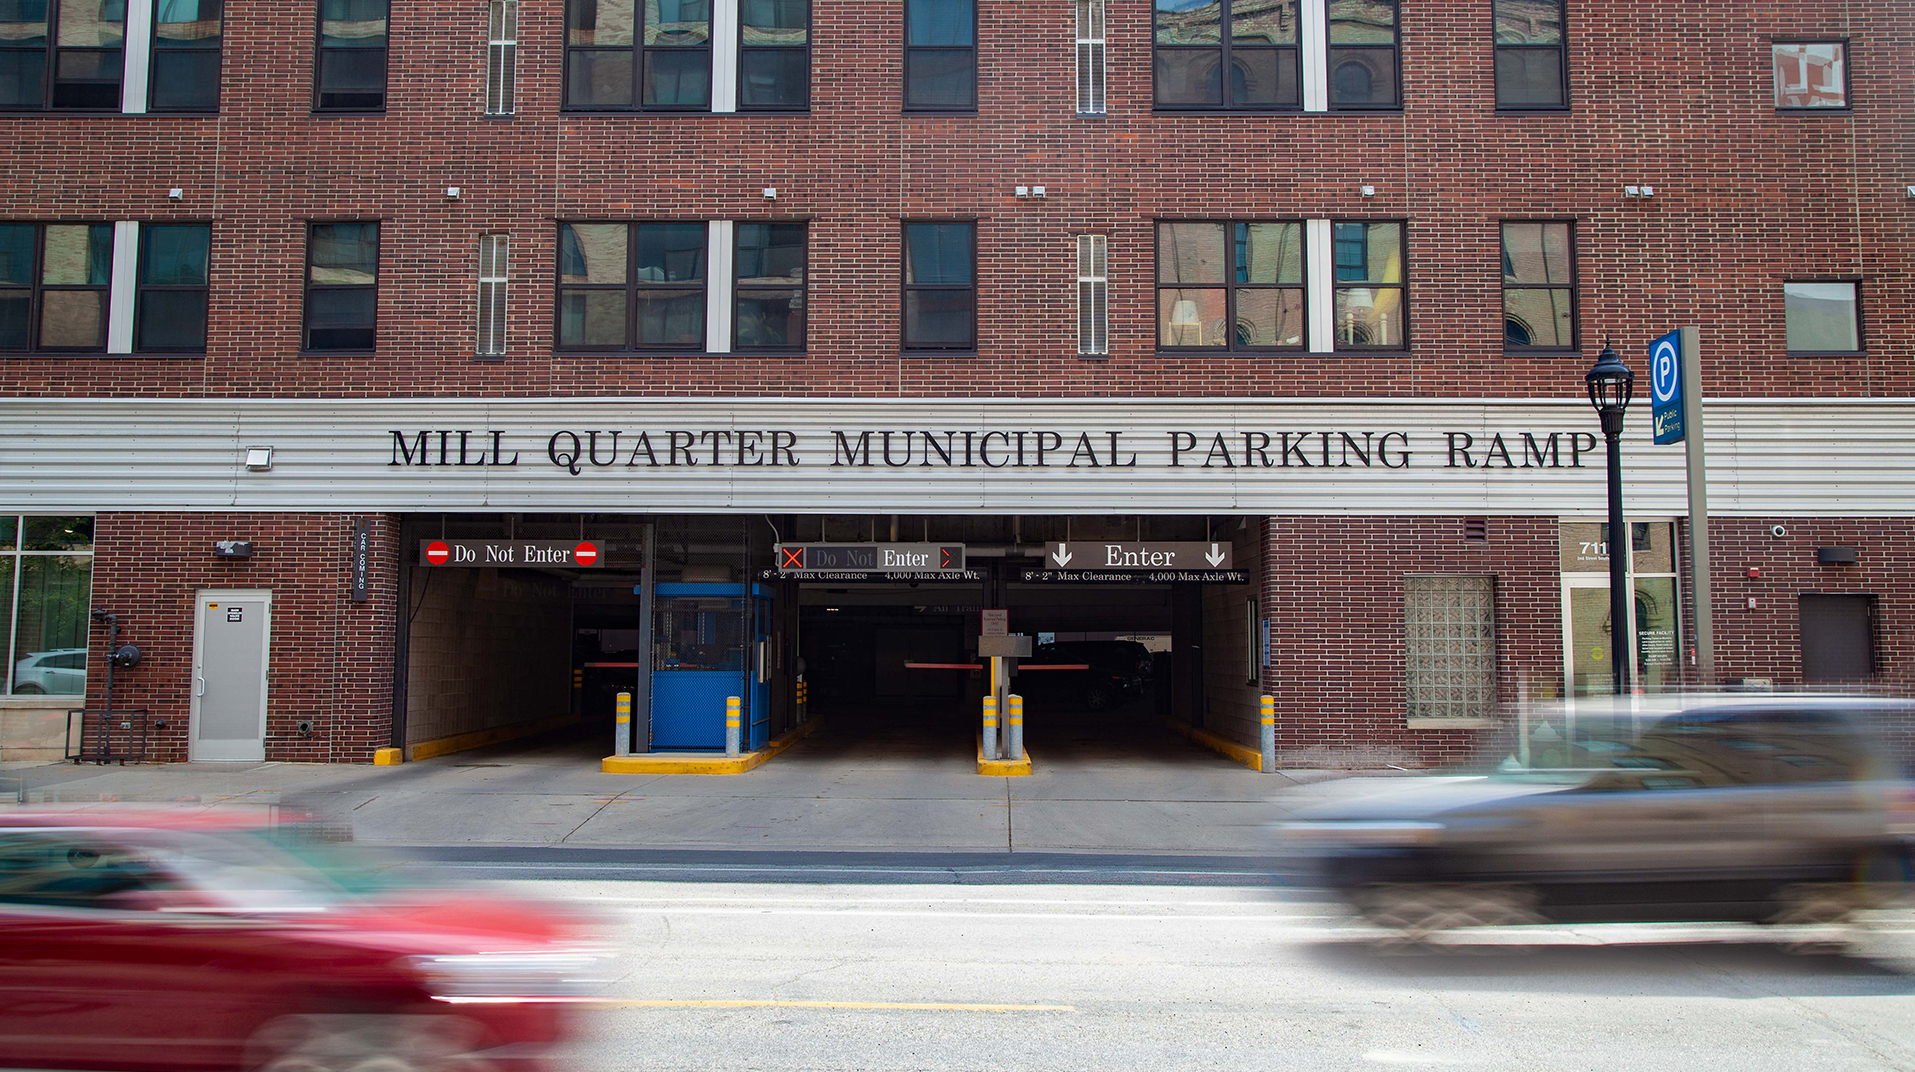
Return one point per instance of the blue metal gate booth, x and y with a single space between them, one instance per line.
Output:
709 642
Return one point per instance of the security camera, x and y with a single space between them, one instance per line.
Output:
1778 532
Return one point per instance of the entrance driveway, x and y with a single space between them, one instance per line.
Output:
1108 783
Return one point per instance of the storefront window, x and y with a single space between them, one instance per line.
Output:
46 575
1587 629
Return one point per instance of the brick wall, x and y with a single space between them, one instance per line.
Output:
331 660
489 648
1678 97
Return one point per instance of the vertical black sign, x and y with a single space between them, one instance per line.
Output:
361 559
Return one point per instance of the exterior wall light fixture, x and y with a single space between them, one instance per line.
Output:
259 459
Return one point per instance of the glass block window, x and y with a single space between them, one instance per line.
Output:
1450 646
493 250
502 57
1093 295
46 583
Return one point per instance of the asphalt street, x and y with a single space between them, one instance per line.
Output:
1130 971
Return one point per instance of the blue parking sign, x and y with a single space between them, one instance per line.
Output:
1665 387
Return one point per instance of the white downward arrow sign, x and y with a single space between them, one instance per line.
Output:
1215 556
1062 555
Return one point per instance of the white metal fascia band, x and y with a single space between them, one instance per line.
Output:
724 56
136 56
1767 458
1319 270
122 287
719 284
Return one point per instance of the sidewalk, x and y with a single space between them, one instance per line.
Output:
839 790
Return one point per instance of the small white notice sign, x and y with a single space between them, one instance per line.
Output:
996 622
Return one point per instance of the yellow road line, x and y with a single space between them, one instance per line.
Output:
755 1003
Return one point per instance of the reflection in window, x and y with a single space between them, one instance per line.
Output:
46 580
1821 317
1811 74
1539 295
1529 54
940 55
1368 260
770 287
774 57
53 286
1256 41
61 54
350 74
940 286
636 286
1230 286
170 308
342 286
620 56
1362 56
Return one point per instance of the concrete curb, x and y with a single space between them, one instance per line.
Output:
705 762
443 746
1001 768
1244 754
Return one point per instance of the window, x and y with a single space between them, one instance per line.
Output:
1368 271
342 286
1255 41
46 581
62 54
502 57
1539 286
940 55
54 280
1362 54
1530 72
940 286
1230 286
632 286
170 308
621 57
774 55
1450 646
1822 317
1090 57
493 251
1811 74
1093 295
185 68
769 293
350 71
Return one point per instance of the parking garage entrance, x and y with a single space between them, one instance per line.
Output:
680 613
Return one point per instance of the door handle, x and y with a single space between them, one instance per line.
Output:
199 685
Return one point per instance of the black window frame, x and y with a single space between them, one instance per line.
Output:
632 286
1561 48
905 287
50 81
156 50
141 288
38 288
1848 75
1230 286
1574 286
746 49
1861 335
803 287
641 55
320 49
1401 345
1394 48
905 53
309 287
1224 48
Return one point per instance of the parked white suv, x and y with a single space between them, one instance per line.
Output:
61 672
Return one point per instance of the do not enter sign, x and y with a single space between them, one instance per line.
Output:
586 553
437 552
522 554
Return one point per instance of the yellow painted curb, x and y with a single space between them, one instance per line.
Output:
1249 757
388 757
704 762
1001 768
480 738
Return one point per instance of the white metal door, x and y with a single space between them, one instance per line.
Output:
232 633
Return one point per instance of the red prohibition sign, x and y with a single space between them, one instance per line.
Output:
437 552
586 553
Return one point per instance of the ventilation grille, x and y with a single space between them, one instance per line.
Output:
1093 296
502 57
1476 528
492 276
1090 57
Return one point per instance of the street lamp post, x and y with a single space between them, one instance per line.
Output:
1611 385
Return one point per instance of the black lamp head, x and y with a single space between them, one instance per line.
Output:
1611 384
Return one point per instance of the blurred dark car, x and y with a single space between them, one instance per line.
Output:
168 941
1776 809
1114 671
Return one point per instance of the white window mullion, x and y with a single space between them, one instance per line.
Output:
1090 57
719 285
136 57
1319 275
724 56
1093 295
502 58
1314 56
494 263
123 286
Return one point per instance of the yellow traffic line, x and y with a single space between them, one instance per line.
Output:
772 1003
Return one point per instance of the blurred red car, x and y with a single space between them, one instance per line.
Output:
170 941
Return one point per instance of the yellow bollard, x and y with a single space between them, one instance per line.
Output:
1268 734
622 745
990 727
732 705
1014 733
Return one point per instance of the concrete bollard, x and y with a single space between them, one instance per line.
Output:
732 704
623 745
1014 733
990 727
1268 734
